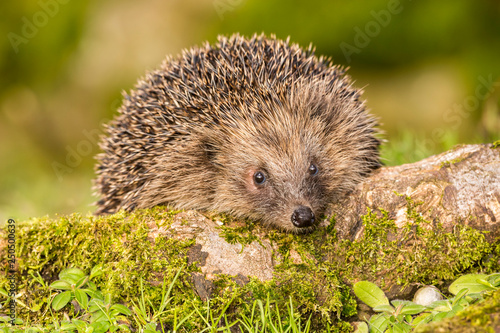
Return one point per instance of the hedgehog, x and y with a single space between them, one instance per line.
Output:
257 127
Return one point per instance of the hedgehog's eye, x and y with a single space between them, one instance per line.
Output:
313 169
259 178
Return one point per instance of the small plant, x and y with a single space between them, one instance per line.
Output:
403 316
77 286
148 317
475 284
215 324
99 314
264 319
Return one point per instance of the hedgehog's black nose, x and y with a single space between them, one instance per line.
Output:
303 217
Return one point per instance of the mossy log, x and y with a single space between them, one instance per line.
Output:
460 186
422 223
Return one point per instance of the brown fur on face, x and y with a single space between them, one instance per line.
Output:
194 134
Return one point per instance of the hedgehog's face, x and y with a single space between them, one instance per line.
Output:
285 196
278 178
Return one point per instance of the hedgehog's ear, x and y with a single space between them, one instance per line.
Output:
209 150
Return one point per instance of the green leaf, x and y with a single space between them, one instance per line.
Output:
441 306
71 275
370 294
362 327
61 300
439 316
124 328
60 285
457 308
412 309
68 326
150 328
384 308
37 305
95 305
438 303
100 327
471 282
397 303
98 316
95 294
80 324
82 298
81 282
462 302
459 296
422 319
378 323
121 309
401 328
486 283
96 271
494 279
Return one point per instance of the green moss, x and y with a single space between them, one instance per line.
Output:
120 242
313 270
300 276
243 233
447 164
415 253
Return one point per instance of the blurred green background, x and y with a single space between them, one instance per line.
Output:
430 70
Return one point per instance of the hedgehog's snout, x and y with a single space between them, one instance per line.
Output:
302 217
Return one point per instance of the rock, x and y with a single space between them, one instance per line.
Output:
213 254
427 295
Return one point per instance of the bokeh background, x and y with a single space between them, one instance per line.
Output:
430 70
